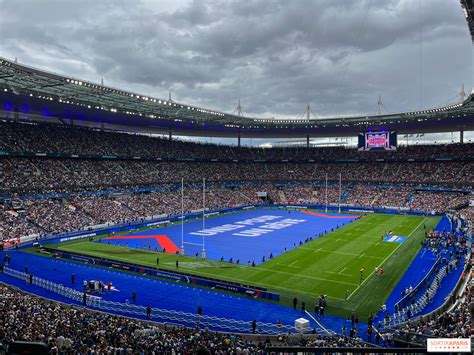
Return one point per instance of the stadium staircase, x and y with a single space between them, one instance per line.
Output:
344 196
461 171
398 170
33 223
127 207
84 212
409 312
374 200
59 162
409 200
282 196
250 199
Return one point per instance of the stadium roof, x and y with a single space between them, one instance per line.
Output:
24 89
468 10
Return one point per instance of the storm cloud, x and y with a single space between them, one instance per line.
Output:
275 56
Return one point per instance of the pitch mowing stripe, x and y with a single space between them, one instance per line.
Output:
339 273
235 280
212 275
122 272
276 280
383 262
309 277
340 252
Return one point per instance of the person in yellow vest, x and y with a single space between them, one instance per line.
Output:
362 269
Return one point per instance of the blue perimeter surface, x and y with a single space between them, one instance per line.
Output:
169 295
253 247
160 294
416 272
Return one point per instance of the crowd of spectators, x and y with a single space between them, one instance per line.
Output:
75 211
66 329
79 205
55 215
50 138
362 195
378 196
72 211
14 226
455 323
468 214
396 197
438 201
363 182
39 175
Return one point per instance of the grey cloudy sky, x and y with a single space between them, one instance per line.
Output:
276 56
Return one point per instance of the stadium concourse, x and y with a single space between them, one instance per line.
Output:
60 180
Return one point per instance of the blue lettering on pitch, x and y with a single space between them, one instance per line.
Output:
245 236
395 239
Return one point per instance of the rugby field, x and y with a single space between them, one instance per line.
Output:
329 265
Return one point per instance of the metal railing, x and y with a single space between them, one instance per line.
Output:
401 316
156 314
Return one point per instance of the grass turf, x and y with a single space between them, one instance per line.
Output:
329 265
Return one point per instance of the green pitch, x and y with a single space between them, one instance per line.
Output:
329 265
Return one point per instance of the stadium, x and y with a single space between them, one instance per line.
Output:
120 236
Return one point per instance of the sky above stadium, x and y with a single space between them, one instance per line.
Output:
275 56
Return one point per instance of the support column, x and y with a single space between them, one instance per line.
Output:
461 135
238 138
170 135
307 141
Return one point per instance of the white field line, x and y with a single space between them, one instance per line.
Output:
239 280
310 277
383 262
342 253
338 273
322 327
229 278
296 267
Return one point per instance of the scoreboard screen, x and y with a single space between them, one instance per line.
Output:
383 140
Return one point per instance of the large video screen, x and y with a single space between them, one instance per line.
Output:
383 140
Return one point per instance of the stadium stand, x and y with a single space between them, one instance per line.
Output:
437 201
67 329
50 138
29 176
117 179
456 322
60 180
